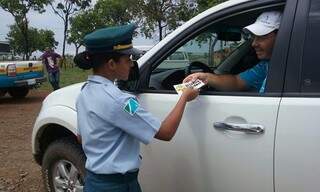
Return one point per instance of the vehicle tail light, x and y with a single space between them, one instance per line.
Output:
11 70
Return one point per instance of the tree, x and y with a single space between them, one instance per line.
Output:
65 9
19 10
16 40
115 12
164 15
105 13
82 24
46 39
37 39
203 5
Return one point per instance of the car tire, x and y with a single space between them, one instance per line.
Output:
63 166
18 92
2 93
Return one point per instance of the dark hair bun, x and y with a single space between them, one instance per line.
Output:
83 60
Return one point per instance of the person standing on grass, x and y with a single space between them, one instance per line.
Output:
51 60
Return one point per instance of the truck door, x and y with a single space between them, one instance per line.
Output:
297 142
205 154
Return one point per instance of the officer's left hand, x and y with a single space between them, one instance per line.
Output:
190 94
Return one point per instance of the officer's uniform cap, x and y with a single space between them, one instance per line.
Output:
107 40
110 39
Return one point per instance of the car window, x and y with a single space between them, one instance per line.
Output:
177 56
311 58
210 48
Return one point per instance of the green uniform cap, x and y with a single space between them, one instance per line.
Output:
110 39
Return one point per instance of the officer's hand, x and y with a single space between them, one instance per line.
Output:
201 76
190 94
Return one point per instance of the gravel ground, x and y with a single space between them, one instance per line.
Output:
18 170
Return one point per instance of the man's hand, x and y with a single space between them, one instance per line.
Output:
201 76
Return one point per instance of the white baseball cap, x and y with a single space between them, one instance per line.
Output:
265 23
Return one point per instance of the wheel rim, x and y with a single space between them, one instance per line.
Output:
66 177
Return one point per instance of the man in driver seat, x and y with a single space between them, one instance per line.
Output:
264 32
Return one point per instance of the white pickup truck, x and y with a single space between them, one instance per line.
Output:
227 141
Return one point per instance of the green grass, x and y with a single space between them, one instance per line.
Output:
68 77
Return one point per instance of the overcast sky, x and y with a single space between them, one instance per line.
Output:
50 21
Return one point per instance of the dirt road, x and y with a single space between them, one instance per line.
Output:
18 170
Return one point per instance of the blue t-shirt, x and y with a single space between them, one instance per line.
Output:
256 77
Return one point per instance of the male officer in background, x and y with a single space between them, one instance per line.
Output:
51 60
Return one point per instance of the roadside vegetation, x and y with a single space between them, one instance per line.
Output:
154 19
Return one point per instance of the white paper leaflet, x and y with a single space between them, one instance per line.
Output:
197 84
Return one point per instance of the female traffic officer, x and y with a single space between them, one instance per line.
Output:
111 123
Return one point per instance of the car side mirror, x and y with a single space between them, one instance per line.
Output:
134 74
132 82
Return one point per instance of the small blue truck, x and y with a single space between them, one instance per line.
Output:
18 77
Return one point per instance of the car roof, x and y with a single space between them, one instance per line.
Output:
183 27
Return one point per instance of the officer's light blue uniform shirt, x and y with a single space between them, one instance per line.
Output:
112 125
256 77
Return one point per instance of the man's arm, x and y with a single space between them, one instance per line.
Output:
220 82
226 82
58 60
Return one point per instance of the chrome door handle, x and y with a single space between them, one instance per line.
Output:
246 128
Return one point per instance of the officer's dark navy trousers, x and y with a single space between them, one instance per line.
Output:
112 182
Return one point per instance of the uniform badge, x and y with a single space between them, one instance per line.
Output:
131 106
